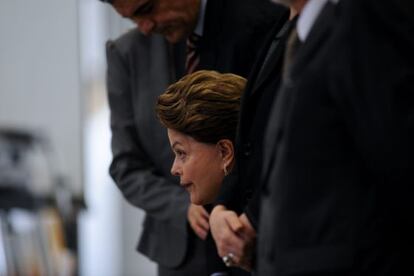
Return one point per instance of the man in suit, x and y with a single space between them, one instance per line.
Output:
234 219
338 163
139 69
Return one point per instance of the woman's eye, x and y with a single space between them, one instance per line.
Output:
180 154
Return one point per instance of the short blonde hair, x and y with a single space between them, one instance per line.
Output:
204 105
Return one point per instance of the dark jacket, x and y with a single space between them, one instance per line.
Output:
339 152
241 189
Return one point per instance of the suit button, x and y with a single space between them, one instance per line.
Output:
247 149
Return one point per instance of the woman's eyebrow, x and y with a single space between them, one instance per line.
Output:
176 143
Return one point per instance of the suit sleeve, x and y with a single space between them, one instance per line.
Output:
236 198
231 194
132 169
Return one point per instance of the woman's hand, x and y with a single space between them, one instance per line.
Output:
249 244
198 219
234 236
225 225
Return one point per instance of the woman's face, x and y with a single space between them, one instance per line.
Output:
199 166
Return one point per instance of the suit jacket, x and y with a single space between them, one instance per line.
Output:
139 69
242 187
338 146
234 32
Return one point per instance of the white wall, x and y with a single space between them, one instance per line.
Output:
111 227
52 73
39 76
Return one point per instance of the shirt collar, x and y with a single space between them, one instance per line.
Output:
308 17
200 22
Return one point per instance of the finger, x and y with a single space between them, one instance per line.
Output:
204 213
203 223
230 243
217 225
229 260
227 236
247 253
245 262
217 220
198 228
247 234
234 260
199 211
201 218
248 229
234 222
200 232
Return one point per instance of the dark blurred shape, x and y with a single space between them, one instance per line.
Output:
37 216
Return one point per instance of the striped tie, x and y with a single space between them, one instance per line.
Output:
292 45
192 54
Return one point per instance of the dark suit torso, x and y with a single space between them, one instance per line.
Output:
139 69
234 32
242 186
337 148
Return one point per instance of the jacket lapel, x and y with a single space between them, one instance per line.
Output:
272 63
262 74
319 33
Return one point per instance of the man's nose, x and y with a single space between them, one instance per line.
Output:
146 26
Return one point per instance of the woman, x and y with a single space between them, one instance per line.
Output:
201 113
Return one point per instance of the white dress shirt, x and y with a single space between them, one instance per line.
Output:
200 21
308 17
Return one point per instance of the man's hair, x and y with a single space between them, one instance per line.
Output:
107 1
204 105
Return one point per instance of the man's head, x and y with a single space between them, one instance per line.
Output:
174 19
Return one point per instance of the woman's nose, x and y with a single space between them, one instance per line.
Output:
175 169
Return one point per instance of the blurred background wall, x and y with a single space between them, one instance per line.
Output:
39 76
52 82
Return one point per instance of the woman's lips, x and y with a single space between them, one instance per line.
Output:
186 185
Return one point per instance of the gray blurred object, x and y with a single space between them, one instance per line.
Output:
25 163
28 176
38 215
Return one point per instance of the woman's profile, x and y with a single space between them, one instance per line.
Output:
201 112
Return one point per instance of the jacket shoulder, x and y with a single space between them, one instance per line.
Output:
133 40
257 13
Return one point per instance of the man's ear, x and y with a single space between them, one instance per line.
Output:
226 149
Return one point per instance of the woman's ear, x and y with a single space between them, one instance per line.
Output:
226 149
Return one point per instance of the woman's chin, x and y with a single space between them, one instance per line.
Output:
200 201
196 200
